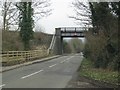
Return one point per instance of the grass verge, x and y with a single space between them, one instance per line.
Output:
104 75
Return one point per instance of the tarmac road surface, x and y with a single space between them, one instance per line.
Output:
55 73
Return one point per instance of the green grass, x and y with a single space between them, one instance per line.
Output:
104 75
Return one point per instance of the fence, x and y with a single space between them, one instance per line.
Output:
15 57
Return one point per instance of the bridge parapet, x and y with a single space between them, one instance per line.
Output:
73 29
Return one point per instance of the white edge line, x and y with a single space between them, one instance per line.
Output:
2 85
31 74
53 65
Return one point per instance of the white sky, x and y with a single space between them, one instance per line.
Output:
59 17
0 15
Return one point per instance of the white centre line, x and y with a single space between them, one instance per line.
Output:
31 74
62 61
53 65
67 60
71 57
2 85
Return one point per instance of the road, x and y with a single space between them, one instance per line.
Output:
55 73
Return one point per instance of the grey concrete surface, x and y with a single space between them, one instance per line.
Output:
55 73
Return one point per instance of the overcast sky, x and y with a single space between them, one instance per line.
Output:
59 17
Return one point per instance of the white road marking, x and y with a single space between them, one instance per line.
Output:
58 58
62 61
31 74
67 60
2 85
53 65
70 57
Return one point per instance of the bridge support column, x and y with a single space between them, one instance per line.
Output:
59 42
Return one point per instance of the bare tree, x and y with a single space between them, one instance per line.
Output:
41 9
82 12
6 14
11 12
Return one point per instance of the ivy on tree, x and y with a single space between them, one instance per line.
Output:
26 23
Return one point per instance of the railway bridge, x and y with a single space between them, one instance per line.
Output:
56 45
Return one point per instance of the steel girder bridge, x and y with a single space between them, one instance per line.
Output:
56 45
